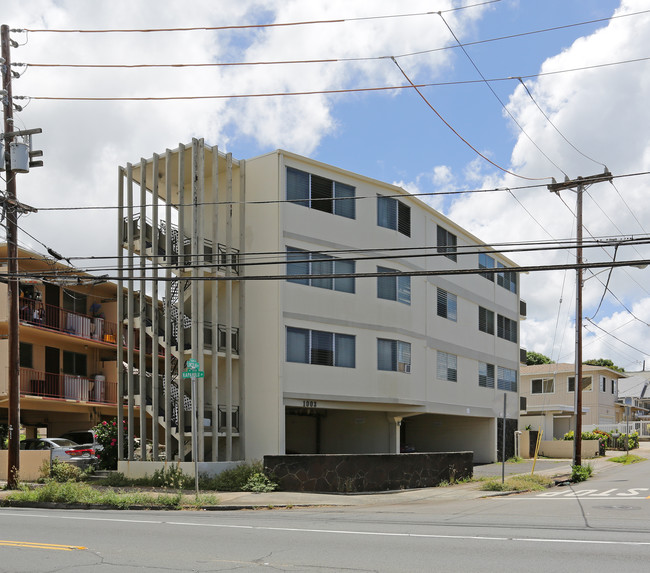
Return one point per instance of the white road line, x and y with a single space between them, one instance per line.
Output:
342 531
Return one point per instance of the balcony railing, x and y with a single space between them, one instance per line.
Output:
55 318
67 387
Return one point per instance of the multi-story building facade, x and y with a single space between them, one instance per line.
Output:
324 308
67 346
549 392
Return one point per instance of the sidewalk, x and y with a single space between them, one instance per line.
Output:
288 499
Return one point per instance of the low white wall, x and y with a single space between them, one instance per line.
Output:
564 448
135 470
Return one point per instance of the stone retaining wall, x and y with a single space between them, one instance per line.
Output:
366 472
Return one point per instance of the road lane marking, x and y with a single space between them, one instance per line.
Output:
35 545
346 531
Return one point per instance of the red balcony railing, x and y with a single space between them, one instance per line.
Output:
55 318
67 387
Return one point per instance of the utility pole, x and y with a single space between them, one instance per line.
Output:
13 165
579 184
13 456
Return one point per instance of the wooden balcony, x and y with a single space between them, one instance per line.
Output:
67 387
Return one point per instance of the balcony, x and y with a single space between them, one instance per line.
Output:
67 387
35 313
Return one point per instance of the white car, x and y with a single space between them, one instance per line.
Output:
63 450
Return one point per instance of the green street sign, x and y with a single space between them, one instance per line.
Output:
192 364
194 374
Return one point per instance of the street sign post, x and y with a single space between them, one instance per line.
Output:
193 372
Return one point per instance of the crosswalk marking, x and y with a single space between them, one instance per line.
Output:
630 493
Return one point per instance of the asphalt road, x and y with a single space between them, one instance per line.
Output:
600 525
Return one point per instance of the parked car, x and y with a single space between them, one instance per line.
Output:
84 438
63 450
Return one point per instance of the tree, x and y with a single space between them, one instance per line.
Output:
533 358
604 362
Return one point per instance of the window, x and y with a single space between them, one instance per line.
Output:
603 383
613 386
74 363
506 328
486 262
485 320
542 386
321 348
320 193
394 288
393 355
447 367
507 279
447 305
507 379
586 383
26 355
393 214
485 375
447 243
301 262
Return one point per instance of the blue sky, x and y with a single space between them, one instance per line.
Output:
391 136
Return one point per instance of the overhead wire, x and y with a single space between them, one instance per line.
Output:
428 103
552 124
494 93
332 60
245 26
319 92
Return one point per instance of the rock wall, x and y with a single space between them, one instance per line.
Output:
366 472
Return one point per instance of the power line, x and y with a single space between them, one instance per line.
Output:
322 92
494 93
331 60
426 101
246 26
548 119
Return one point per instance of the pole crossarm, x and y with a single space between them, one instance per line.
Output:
578 181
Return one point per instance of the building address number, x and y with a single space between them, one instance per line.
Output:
309 404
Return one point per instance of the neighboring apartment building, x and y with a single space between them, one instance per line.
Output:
68 350
634 392
548 396
308 296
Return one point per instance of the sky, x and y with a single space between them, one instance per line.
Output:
517 133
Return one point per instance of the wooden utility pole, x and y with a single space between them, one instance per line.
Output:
11 208
579 184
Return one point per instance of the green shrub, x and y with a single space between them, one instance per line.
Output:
171 478
63 472
233 479
581 473
259 483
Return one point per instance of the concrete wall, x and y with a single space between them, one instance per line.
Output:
564 448
30 464
135 470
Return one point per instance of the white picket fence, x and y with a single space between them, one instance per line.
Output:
642 428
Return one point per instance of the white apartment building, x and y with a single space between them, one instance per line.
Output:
309 297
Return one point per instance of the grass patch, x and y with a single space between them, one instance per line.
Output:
627 460
518 483
80 493
515 460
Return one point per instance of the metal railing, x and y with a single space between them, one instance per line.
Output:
36 313
67 387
